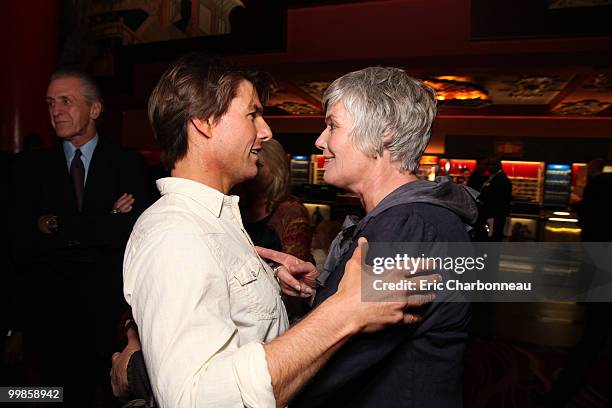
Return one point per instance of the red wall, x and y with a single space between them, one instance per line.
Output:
29 44
398 29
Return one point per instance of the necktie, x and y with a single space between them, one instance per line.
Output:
77 171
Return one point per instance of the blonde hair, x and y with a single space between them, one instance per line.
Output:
274 158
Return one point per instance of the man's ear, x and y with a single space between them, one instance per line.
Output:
203 126
95 110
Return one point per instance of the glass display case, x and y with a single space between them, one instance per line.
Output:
299 169
317 169
579 179
527 180
557 185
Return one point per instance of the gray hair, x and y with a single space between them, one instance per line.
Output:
386 103
89 90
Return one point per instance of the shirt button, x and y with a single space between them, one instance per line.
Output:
253 274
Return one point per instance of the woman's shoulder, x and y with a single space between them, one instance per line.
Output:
291 205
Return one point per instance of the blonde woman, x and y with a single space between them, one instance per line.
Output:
272 216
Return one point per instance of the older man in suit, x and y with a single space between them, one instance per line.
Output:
74 206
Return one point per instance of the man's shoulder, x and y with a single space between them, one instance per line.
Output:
291 203
602 180
41 154
114 150
289 210
38 162
168 215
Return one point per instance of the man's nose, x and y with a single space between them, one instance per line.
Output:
55 109
264 132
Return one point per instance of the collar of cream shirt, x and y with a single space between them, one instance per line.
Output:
209 198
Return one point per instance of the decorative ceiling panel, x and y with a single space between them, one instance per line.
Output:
314 88
591 98
518 94
529 89
282 98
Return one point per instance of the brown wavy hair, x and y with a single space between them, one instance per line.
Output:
195 86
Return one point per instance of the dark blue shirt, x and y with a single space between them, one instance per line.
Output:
419 365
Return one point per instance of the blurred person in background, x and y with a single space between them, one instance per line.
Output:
594 213
477 178
496 197
322 238
273 217
464 177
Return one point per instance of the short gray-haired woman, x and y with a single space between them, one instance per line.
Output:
379 122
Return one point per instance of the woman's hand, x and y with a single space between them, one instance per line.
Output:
296 277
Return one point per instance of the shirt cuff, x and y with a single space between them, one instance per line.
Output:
252 376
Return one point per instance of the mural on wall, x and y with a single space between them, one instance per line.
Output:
458 90
559 95
600 83
145 21
585 107
594 96
558 4
525 89
107 36
286 102
314 88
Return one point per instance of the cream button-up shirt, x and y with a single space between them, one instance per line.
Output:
203 300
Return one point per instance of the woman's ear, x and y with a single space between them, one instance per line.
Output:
386 141
387 138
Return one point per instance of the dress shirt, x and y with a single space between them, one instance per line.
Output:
87 151
203 300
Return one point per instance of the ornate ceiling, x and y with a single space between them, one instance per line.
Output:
533 93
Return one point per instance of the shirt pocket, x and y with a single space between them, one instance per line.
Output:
252 285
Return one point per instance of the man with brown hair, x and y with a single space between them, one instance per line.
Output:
212 324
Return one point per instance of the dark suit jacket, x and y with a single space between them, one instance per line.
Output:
73 278
6 276
594 209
